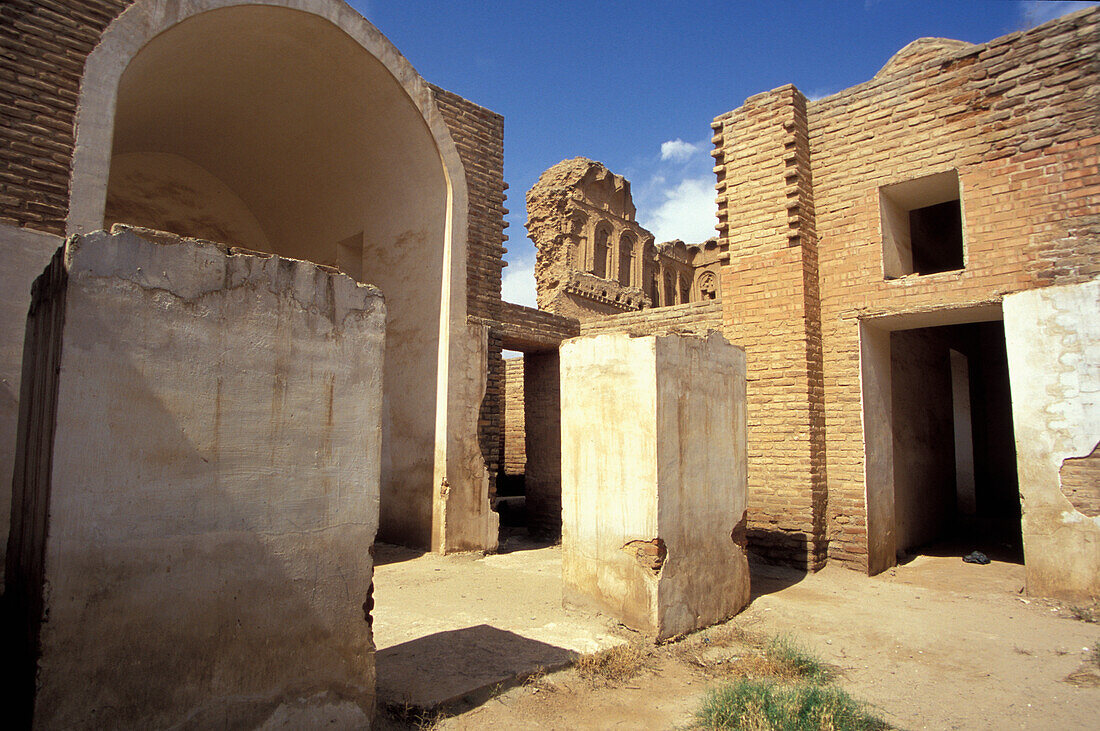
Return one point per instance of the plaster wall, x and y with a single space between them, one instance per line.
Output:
653 479
211 489
25 254
702 481
1053 339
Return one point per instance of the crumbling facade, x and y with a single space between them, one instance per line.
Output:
593 259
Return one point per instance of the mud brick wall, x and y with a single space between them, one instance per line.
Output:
693 317
531 330
43 46
513 435
479 136
770 306
1016 118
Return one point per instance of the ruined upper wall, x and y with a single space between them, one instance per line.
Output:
593 259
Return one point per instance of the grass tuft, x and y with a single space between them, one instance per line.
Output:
1085 613
796 660
764 705
613 666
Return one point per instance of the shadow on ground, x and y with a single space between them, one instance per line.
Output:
460 669
768 578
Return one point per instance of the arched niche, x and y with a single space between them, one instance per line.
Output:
626 259
293 127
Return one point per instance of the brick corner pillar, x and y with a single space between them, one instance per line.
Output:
771 306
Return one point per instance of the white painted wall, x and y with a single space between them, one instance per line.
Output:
1053 339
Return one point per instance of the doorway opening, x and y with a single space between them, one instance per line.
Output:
941 462
529 482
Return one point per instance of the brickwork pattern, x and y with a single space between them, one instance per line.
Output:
531 331
1016 117
771 308
43 47
1080 477
479 136
694 317
513 435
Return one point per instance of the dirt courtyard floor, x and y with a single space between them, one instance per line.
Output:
934 644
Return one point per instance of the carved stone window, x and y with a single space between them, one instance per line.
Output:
708 286
601 251
626 259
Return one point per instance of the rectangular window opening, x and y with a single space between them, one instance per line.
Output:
922 231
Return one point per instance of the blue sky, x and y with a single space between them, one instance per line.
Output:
635 85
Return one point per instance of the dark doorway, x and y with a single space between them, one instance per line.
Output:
954 455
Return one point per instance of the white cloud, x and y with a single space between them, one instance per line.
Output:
518 285
678 150
1034 12
687 212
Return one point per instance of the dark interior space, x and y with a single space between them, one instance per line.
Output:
955 483
936 237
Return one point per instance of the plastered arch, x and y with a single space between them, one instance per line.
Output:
140 24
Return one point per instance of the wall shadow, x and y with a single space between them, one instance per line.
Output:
388 553
460 669
768 578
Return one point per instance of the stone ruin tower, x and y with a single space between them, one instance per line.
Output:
595 260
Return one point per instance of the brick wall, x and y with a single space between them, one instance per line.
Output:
770 306
1015 117
531 330
478 135
693 317
43 46
513 435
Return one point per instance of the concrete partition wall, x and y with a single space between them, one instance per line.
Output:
654 479
197 488
1053 339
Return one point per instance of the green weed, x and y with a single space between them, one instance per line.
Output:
765 705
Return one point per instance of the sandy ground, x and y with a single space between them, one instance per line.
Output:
935 644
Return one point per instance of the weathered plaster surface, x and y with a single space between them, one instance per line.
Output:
654 479
1053 338
25 254
367 152
463 519
214 491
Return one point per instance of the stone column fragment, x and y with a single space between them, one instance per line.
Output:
654 479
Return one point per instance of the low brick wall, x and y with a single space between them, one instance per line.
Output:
693 317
